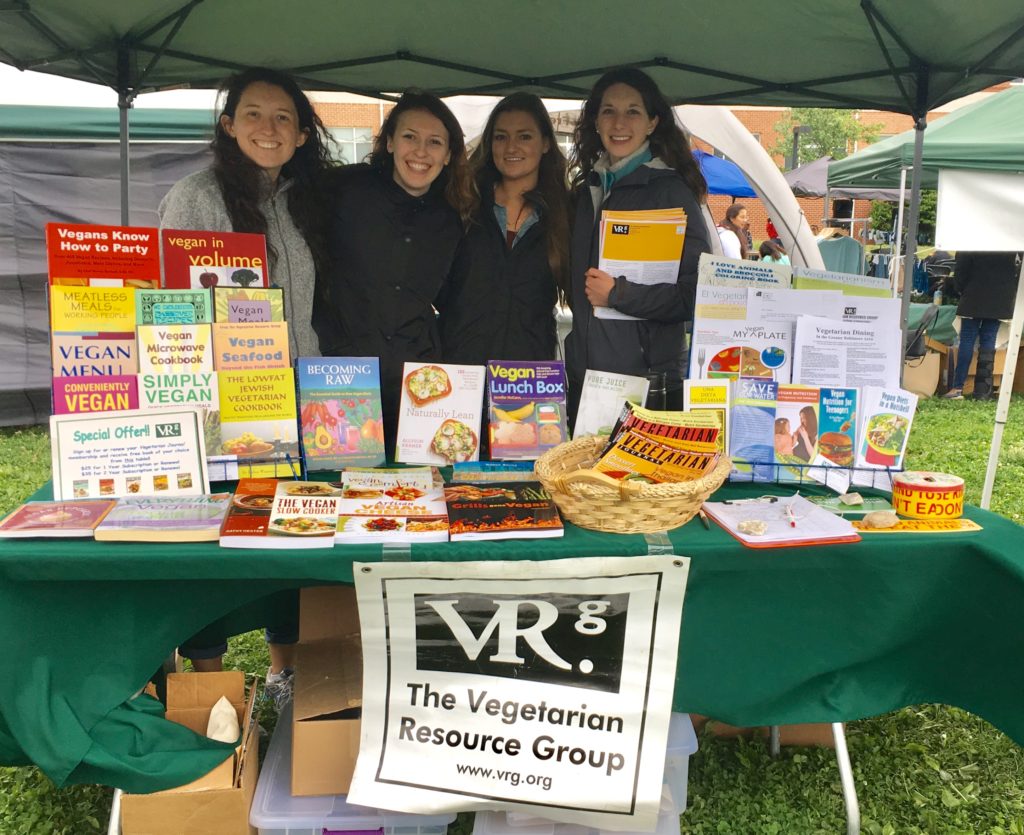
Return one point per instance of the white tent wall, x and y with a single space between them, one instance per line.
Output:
68 182
983 211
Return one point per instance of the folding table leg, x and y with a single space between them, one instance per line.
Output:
846 780
114 826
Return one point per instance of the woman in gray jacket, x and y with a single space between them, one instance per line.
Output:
270 153
629 155
269 157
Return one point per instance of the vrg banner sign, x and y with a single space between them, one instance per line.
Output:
539 686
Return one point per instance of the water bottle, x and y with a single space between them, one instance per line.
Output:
656 392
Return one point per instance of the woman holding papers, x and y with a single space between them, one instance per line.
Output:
269 158
513 263
631 155
394 228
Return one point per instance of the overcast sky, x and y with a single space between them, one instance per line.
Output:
18 87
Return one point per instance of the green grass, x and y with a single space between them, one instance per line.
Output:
926 769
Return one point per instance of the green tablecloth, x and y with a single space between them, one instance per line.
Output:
769 636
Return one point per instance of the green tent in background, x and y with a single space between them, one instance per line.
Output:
987 135
103 123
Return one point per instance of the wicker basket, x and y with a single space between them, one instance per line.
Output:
593 500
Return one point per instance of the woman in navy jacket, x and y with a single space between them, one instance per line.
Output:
394 229
513 264
629 155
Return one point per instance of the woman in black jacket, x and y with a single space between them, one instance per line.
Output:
512 266
629 155
394 229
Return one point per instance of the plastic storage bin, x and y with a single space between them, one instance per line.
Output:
682 744
275 812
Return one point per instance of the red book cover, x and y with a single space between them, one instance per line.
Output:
248 518
91 255
194 259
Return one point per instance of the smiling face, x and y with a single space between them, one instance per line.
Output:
517 146
623 122
420 150
266 126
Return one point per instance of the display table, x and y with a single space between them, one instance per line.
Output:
808 634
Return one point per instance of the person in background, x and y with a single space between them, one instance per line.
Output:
395 224
987 283
512 267
772 253
629 155
733 231
770 231
269 161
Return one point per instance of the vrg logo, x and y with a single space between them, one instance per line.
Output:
168 430
620 228
550 638
849 311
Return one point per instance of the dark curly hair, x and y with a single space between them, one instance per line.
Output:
241 181
668 142
456 180
550 195
729 222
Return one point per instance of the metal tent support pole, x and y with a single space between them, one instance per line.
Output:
846 780
910 245
897 245
1005 390
124 104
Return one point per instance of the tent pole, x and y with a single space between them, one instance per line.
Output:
1005 390
897 248
123 105
125 97
910 245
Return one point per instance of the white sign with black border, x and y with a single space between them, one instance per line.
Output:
541 687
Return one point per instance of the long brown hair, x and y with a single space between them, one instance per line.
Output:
550 195
668 142
729 222
455 179
241 181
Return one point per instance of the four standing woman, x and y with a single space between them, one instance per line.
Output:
421 255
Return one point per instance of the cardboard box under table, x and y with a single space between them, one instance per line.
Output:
219 801
328 691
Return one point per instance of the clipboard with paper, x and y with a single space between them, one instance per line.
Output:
780 521
643 246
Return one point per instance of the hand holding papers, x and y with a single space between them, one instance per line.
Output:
644 247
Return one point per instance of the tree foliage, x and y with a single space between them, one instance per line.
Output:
826 133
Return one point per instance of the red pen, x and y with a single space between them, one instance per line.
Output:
790 516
